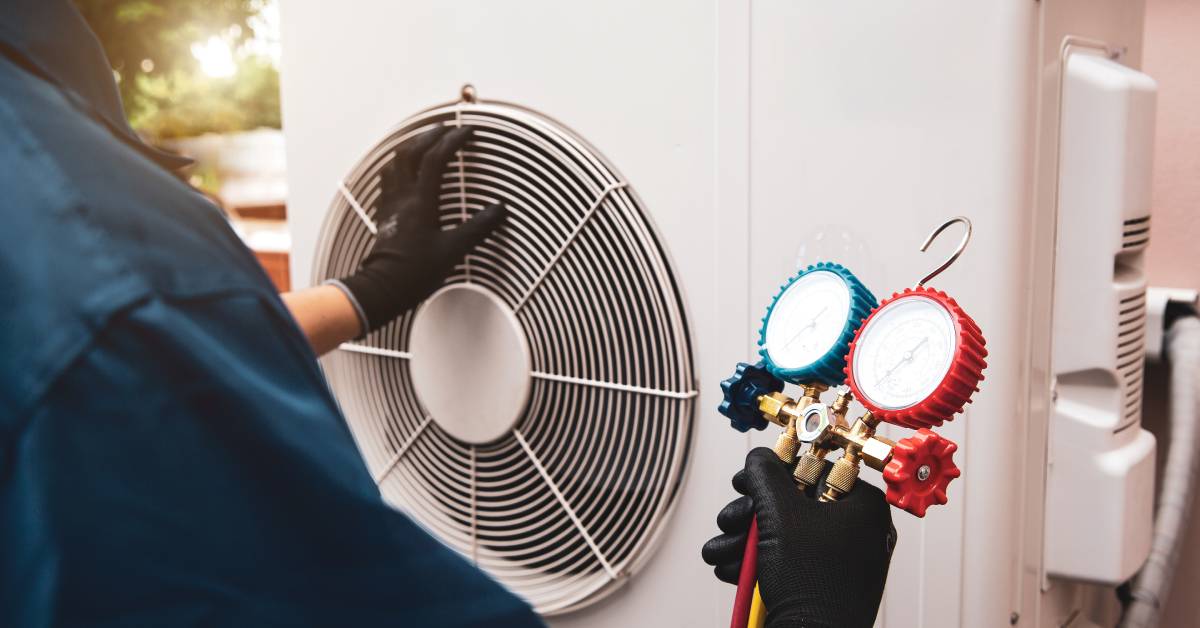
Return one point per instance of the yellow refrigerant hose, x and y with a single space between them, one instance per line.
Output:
758 612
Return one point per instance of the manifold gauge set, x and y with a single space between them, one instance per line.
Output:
913 360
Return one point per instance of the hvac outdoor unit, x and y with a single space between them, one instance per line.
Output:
536 412
668 165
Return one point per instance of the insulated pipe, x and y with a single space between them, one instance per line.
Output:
1179 480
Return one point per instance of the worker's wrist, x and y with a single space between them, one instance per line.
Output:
363 323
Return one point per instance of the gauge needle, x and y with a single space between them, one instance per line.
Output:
812 323
908 356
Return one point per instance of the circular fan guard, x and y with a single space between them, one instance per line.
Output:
567 506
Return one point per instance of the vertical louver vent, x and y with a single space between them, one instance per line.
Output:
1131 353
568 502
1131 324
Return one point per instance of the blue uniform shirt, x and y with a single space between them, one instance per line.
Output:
169 452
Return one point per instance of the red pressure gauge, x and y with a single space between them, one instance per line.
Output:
916 359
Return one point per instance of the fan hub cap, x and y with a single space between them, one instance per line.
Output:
470 363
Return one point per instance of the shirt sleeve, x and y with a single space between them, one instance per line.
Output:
192 468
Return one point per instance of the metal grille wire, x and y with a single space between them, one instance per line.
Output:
568 505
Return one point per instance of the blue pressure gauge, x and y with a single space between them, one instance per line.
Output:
809 325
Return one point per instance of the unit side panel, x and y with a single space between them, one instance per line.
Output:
868 130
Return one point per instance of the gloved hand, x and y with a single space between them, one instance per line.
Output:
820 565
412 254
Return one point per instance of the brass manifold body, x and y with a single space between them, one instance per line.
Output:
824 428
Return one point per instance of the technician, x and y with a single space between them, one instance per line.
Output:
820 565
169 452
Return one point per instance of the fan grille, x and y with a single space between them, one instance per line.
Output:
565 507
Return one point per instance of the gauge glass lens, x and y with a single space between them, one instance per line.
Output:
812 422
904 352
808 318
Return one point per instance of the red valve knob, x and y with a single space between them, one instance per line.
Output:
921 468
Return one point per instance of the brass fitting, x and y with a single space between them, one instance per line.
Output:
841 477
778 408
830 431
781 409
861 445
786 412
812 393
865 444
787 444
876 452
839 407
808 469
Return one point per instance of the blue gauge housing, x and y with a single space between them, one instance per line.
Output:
829 369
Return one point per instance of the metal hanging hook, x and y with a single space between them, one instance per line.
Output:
962 244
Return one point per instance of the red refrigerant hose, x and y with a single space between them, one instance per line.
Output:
746 579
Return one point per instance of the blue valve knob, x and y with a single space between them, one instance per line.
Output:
741 393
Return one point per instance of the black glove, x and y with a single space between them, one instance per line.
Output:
412 254
820 565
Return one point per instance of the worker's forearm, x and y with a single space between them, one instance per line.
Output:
326 316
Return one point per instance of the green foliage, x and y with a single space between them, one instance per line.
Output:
183 104
148 43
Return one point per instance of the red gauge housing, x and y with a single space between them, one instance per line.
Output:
961 379
919 472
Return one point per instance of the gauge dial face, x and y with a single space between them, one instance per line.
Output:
904 352
807 319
